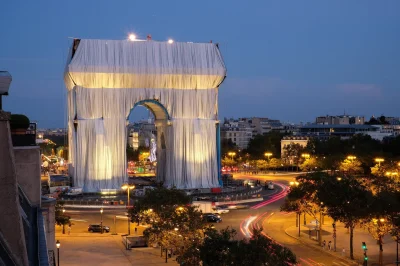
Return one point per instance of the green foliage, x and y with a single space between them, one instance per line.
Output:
60 218
259 144
311 164
228 146
292 153
18 121
257 251
226 161
351 166
173 222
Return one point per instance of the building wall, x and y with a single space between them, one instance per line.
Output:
27 166
48 210
11 228
292 140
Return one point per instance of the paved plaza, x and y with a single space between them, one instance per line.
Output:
86 249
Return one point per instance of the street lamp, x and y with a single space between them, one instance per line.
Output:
379 161
268 154
232 154
58 244
101 223
305 155
338 178
128 187
379 223
351 157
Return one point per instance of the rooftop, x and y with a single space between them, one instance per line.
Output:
352 126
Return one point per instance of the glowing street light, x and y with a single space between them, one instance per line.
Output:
379 161
170 41
58 245
338 178
391 173
351 157
128 187
268 154
232 154
132 37
305 156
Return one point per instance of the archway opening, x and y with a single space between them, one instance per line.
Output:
145 138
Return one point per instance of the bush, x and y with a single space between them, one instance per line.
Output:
19 121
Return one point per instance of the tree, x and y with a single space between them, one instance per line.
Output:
173 222
60 218
258 250
292 152
227 145
310 164
346 200
351 166
262 164
259 144
226 161
274 163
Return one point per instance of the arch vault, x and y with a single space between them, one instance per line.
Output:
178 82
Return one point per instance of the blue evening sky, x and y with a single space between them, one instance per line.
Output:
287 60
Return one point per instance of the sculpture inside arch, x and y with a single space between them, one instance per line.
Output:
178 82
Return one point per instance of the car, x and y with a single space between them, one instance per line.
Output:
270 186
211 218
220 210
97 228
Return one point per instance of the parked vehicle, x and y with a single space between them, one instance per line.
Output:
203 206
270 186
211 218
97 228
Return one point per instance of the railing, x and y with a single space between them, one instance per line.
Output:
239 196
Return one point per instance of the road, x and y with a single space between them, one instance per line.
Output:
265 214
274 224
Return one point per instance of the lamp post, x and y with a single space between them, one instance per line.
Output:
334 235
320 225
101 223
268 154
128 187
232 154
379 161
58 244
351 158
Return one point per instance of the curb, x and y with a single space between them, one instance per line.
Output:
94 207
318 249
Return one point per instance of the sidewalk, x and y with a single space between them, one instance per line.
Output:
106 249
309 237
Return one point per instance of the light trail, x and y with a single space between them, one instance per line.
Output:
276 197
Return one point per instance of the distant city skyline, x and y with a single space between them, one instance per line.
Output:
288 61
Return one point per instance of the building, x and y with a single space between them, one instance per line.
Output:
141 133
263 125
289 140
377 132
340 120
27 228
239 131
